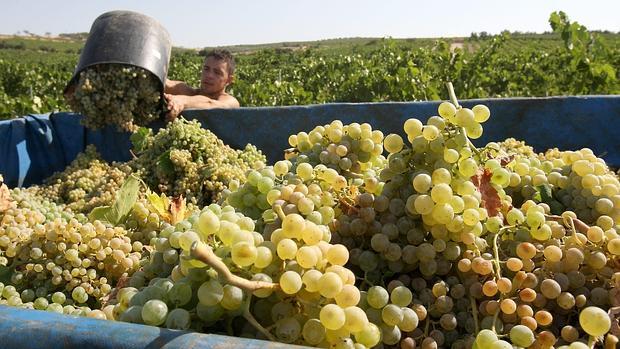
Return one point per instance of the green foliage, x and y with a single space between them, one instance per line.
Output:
125 199
569 61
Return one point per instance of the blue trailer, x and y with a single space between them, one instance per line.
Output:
35 146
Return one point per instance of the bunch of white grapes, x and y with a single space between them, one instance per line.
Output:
116 94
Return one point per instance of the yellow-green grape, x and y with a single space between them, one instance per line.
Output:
594 321
348 296
187 239
244 254
311 234
485 338
232 297
313 332
468 167
441 193
355 319
446 110
293 224
332 317
307 257
464 117
290 282
287 249
401 296
413 127
613 246
304 171
410 320
481 113
210 293
393 143
430 132
311 280
392 314
330 285
422 183
337 254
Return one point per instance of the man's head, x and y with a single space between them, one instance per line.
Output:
217 72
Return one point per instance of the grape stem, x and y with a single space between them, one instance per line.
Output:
252 320
496 250
452 94
279 212
591 342
474 310
205 254
498 271
575 223
461 129
428 323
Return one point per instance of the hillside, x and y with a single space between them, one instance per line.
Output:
72 43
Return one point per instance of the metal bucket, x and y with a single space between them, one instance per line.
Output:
126 37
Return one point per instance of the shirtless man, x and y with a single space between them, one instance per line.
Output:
217 74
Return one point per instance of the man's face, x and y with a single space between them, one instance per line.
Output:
215 76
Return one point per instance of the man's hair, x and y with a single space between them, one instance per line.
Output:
225 56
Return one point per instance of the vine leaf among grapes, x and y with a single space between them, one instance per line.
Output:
490 198
122 282
165 164
172 211
125 199
139 138
7 271
545 195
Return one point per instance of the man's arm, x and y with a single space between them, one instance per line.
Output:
178 103
176 87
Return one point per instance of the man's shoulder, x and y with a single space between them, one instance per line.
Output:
229 99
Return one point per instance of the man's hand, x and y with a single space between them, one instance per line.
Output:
175 104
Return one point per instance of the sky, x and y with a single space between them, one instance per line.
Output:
197 24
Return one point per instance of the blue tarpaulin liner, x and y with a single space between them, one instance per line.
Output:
36 329
34 147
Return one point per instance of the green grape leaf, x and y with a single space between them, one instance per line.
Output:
138 138
545 195
125 199
101 213
165 164
7 271
158 203
5 274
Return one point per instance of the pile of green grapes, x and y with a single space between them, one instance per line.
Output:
438 244
185 159
87 182
53 259
116 94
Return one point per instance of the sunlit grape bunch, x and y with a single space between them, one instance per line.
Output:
115 94
59 261
186 159
335 153
87 182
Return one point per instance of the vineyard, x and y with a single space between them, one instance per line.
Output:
570 62
351 239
